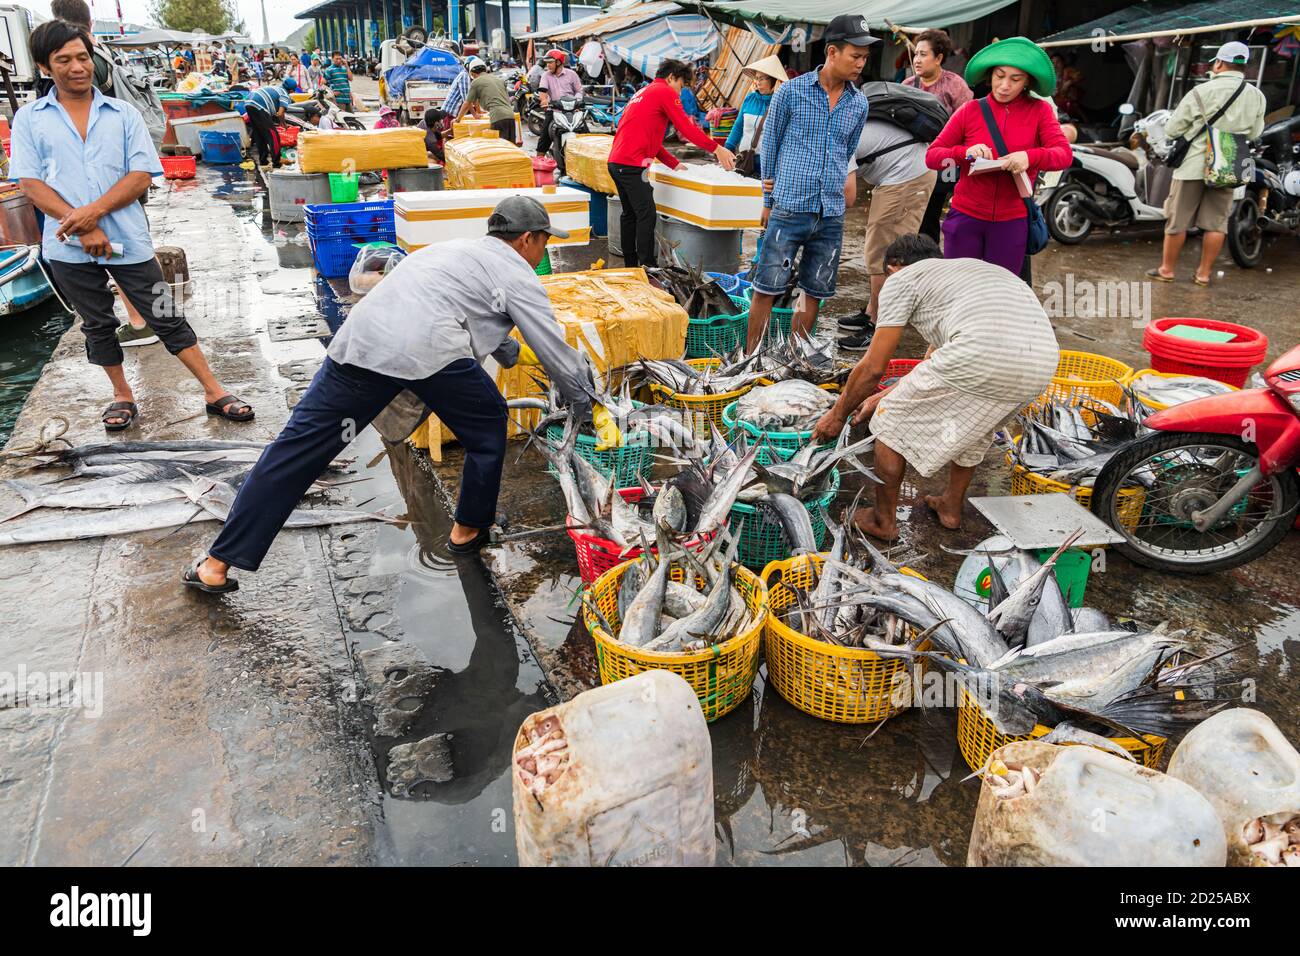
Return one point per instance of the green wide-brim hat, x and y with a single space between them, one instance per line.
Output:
1019 52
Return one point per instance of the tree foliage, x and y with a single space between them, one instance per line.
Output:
195 16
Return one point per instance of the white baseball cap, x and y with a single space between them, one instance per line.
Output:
1234 51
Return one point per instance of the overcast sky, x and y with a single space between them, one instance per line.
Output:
279 13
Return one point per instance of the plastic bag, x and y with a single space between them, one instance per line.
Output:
371 265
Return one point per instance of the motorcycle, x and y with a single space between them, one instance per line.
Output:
1272 202
568 118
529 107
324 100
1218 477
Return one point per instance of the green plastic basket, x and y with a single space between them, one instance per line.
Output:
344 187
716 335
762 542
775 445
544 267
628 463
782 319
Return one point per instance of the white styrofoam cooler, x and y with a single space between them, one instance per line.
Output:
711 200
426 218
188 128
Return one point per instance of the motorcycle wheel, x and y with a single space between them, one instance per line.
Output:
1067 224
1189 471
354 124
536 124
1245 238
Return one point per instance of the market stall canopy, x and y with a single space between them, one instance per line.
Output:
904 13
149 38
1173 17
644 47
618 17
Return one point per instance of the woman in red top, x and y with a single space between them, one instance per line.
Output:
638 141
988 219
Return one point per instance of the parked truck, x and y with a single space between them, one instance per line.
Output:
16 25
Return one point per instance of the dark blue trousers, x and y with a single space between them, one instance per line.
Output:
341 401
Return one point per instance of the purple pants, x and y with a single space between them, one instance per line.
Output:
1001 243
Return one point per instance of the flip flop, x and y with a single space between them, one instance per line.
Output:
472 545
190 578
1199 281
222 409
1155 274
115 410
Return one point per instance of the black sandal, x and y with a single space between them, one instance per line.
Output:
222 408
473 545
190 578
116 410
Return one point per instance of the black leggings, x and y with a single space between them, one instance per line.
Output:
637 224
261 129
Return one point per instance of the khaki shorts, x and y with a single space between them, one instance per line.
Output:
1191 202
896 210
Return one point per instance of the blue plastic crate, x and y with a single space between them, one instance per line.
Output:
333 257
726 282
354 219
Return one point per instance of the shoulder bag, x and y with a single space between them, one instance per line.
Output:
1179 146
1037 236
747 159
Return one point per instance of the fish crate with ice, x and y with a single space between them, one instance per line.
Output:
776 446
762 540
846 685
596 555
704 409
721 675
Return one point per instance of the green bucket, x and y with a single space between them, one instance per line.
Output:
762 542
716 335
344 187
1071 571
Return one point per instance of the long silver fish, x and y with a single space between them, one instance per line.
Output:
717 507
642 622
1013 615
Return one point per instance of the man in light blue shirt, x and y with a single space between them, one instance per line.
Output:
84 160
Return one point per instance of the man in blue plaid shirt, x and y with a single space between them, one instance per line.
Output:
456 95
811 133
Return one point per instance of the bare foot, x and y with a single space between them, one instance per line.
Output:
948 517
869 522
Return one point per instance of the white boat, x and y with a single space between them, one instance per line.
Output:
23 283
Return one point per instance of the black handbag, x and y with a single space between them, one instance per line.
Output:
1179 145
1037 236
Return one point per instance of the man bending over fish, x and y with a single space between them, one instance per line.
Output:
992 351
426 327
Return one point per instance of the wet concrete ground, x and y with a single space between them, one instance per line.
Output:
242 729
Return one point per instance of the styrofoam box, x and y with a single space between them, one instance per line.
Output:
187 129
709 200
426 218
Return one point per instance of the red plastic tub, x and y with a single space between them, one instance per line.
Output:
895 370
179 167
597 555
1228 362
543 171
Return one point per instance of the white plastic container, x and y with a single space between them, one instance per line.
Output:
708 197
188 129
637 788
1091 808
426 218
1244 766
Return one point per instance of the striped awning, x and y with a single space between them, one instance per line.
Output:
645 46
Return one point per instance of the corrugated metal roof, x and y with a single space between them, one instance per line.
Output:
1172 16
619 18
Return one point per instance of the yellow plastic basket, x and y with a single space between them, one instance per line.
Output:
978 737
1025 482
1083 373
721 675
1152 373
703 408
848 685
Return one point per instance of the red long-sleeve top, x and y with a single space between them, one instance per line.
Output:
640 135
1027 124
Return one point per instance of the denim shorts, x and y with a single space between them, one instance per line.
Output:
787 233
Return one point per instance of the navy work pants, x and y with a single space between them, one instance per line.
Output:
341 401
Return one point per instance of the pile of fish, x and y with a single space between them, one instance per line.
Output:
1178 389
695 292
135 486
790 405
1275 839
1027 661
660 614
682 379
1057 441
545 757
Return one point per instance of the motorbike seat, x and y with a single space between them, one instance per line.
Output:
1120 156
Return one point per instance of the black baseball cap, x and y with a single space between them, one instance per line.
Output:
850 28
522 214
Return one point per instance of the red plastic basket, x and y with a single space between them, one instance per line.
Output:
597 555
179 167
896 368
1228 362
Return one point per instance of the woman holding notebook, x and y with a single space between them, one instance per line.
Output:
998 144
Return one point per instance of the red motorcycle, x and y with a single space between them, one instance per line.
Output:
1217 478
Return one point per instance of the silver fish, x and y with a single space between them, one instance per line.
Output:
718 505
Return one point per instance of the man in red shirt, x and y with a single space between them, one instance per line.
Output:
639 141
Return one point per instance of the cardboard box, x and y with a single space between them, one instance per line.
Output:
713 200
427 218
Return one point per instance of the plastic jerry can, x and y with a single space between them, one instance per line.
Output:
1243 765
623 776
1091 808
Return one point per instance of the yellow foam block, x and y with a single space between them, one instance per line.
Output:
482 162
345 151
586 159
470 126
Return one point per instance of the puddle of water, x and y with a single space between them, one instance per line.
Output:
29 338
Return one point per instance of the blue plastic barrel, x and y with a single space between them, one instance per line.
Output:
220 147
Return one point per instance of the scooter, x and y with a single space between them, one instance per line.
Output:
1218 477
568 118
1272 203
324 100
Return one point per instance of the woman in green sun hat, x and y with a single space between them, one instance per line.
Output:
988 217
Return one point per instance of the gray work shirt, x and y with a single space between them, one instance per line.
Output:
899 165
458 300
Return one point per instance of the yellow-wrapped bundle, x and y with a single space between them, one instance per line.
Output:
586 158
345 151
481 163
470 126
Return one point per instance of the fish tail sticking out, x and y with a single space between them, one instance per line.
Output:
31 495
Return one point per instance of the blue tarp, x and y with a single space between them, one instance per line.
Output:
440 66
